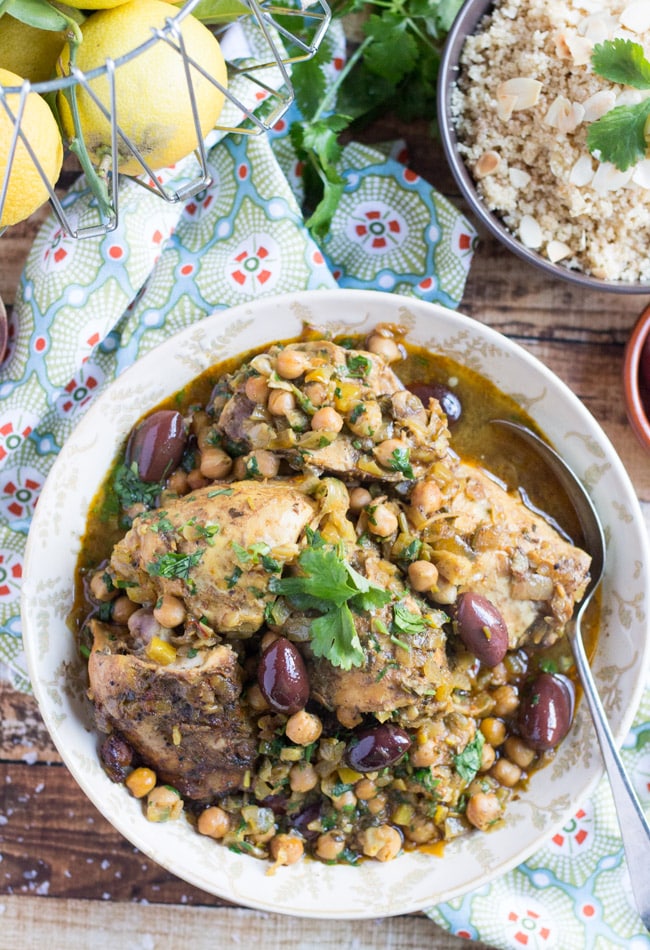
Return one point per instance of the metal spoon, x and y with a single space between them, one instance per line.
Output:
4 330
634 827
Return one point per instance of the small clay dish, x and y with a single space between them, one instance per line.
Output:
636 378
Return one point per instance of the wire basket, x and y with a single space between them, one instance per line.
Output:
259 48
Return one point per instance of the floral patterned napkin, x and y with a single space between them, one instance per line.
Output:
88 309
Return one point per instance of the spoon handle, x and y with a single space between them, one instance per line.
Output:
635 831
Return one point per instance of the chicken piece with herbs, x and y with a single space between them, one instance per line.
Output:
326 408
186 716
214 550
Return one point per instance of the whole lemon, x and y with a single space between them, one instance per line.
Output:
152 100
27 51
26 190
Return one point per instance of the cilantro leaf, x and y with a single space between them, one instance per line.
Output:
406 621
334 636
619 135
468 762
131 490
400 462
394 50
622 61
174 564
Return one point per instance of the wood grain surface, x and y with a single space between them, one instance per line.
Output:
67 879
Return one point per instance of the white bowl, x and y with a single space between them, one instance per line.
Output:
311 889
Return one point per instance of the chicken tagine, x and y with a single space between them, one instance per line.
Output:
317 618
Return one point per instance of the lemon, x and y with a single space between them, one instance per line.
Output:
152 104
26 190
95 4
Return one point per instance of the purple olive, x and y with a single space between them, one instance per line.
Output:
449 401
546 711
282 677
157 444
116 756
481 628
377 747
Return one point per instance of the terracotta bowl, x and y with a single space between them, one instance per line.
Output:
636 378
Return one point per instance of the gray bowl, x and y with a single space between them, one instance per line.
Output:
464 25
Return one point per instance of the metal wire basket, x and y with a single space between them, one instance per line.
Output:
258 94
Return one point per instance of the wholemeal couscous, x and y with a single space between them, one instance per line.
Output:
526 96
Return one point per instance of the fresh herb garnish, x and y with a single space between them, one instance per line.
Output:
400 462
331 586
619 135
406 621
468 762
131 490
359 365
174 565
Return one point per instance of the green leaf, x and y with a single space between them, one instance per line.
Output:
37 13
400 462
468 762
394 51
131 490
406 620
334 636
619 135
622 61
174 564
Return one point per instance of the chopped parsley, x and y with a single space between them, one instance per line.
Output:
359 365
220 491
406 621
232 579
468 762
399 462
175 565
131 490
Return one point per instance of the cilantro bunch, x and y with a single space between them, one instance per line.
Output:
394 68
621 135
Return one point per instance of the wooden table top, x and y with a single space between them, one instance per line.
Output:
66 877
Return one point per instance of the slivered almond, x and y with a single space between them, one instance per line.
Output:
629 97
580 48
487 164
598 104
557 251
582 172
505 106
641 174
562 50
564 115
525 90
636 16
609 178
530 232
598 27
519 178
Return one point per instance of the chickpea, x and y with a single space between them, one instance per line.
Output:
266 463
506 772
327 419
494 730
389 450
170 611
140 782
257 389
303 728
426 497
359 498
377 804
506 700
383 346
382 521
424 755
423 576
101 587
164 804
122 609
347 800
365 789
281 403
367 423
215 463
330 845
383 842
291 363
421 831
303 777
196 480
286 849
518 752
214 822
488 755
316 392
483 809
177 482
255 698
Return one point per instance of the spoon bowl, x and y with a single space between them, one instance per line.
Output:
635 831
